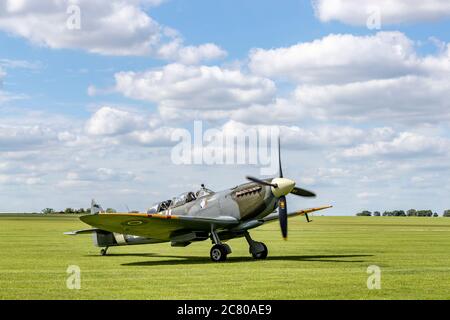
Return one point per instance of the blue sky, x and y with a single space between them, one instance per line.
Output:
364 112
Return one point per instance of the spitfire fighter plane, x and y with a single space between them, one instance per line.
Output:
202 215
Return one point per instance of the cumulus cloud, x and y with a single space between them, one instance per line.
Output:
176 51
110 121
49 152
178 86
360 78
405 144
409 99
344 58
128 127
320 136
108 27
357 12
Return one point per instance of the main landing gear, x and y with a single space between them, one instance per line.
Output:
258 250
220 250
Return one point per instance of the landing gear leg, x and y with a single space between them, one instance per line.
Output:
257 249
220 250
103 251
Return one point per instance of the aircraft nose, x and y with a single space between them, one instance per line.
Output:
284 186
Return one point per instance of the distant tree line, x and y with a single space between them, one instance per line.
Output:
402 213
73 211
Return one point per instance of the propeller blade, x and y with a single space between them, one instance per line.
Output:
264 183
282 216
302 192
279 157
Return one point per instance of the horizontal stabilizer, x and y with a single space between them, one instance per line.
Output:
84 231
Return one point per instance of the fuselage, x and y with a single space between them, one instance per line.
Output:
244 202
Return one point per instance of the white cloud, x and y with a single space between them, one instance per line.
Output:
152 137
357 12
403 100
15 137
190 54
109 121
282 110
51 152
406 144
107 27
127 127
378 77
345 58
320 136
177 86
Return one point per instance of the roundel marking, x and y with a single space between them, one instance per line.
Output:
135 223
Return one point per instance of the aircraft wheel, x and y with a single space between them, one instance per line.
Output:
262 254
218 253
103 252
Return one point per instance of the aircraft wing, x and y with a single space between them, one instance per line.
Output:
156 226
274 216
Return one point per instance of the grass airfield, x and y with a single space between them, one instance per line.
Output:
325 259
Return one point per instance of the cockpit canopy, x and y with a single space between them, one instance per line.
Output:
183 198
179 200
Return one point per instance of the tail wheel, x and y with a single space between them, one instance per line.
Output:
218 253
262 254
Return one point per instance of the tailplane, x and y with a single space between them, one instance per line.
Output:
96 208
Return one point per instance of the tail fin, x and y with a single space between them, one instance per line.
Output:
95 207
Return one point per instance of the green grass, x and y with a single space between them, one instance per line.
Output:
325 259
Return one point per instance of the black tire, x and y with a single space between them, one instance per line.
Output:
103 252
218 253
261 255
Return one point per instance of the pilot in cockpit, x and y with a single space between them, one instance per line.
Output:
190 196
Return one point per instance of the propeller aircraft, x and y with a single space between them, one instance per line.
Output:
198 216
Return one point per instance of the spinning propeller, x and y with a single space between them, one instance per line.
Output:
280 187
